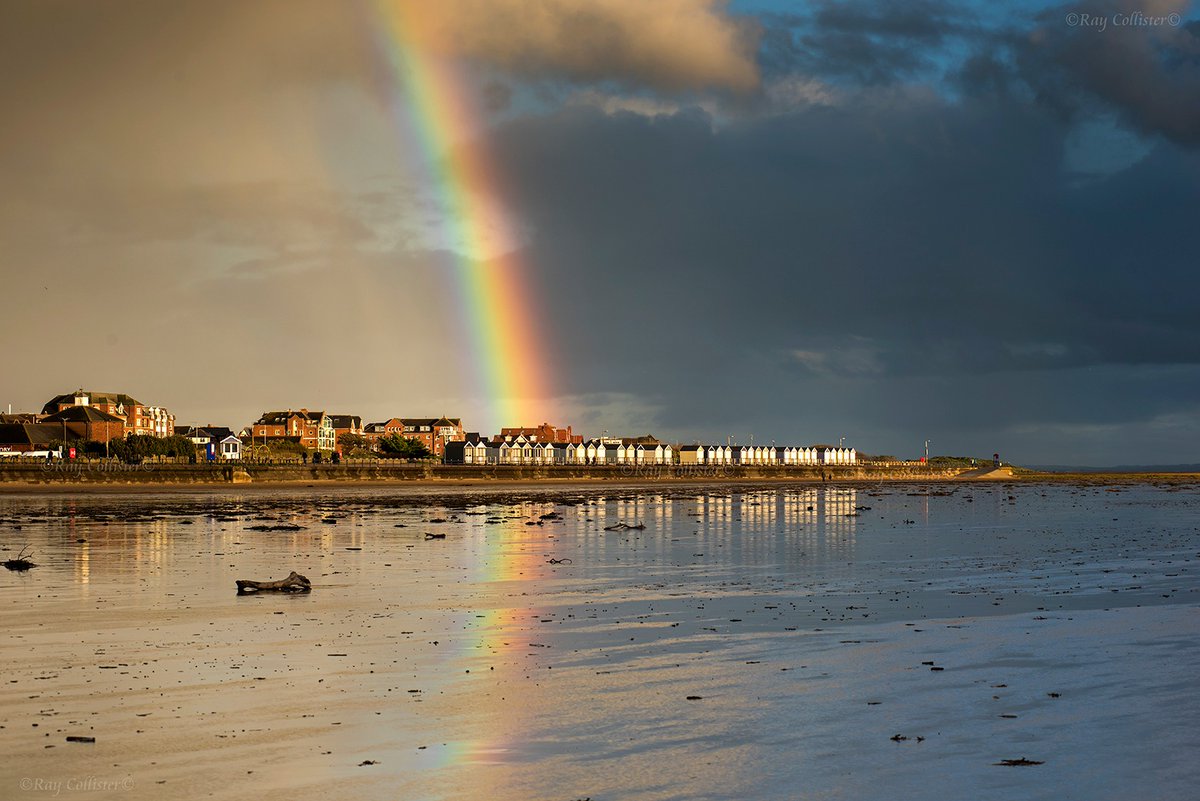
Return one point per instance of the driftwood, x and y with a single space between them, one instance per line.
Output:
20 563
622 526
293 583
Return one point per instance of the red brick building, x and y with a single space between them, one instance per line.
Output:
345 424
313 430
137 417
85 423
432 432
543 433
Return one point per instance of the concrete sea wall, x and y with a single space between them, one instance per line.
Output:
110 473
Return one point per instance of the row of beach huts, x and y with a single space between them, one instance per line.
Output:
523 450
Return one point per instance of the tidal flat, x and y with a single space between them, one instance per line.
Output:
1006 640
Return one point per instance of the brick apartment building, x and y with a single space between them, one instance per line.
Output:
86 423
432 432
345 424
543 433
313 430
136 417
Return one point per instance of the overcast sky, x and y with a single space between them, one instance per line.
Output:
974 223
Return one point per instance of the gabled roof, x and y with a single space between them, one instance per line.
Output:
82 414
346 420
279 418
94 397
274 418
430 421
215 433
20 417
33 434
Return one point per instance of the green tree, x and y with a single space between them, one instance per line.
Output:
177 446
400 447
352 442
135 448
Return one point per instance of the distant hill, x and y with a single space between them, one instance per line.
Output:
1121 468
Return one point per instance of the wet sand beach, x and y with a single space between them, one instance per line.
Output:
751 641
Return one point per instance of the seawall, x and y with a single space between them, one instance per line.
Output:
114 474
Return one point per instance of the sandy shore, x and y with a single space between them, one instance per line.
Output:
753 639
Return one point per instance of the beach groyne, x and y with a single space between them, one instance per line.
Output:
155 473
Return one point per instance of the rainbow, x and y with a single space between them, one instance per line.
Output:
495 298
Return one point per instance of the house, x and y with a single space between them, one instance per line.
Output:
229 448
471 450
596 452
827 454
202 436
345 424
137 417
312 430
544 433
575 453
654 453
565 452
520 450
432 432
86 423
723 454
32 437
20 417
209 440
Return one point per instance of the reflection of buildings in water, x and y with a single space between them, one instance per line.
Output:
758 527
654 508
823 517
758 509
140 547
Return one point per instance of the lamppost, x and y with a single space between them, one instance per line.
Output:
926 453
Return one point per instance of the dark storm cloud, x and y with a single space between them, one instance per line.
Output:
897 240
1096 52
868 41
